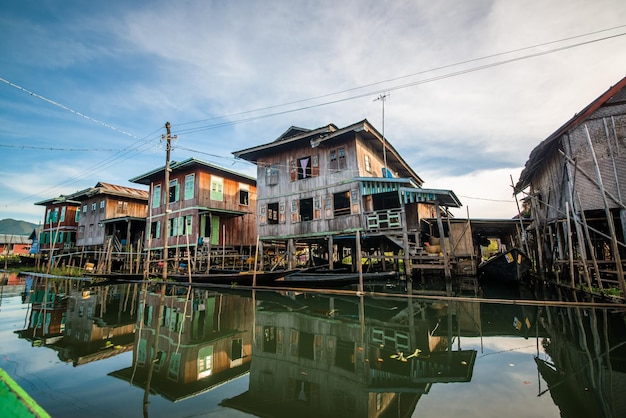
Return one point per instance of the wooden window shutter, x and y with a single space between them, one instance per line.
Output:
293 170
315 165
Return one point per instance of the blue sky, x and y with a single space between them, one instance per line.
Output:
86 87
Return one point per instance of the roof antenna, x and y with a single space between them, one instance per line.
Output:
382 98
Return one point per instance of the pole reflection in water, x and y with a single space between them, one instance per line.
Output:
586 372
190 350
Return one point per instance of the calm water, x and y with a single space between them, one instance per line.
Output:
124 350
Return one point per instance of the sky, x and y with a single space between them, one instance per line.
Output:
471 86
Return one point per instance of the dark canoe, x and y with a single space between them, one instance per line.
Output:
243 278
330 279
512 265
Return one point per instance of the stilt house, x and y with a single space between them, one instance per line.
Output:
210 209
60 226
111 215
320 189
575 184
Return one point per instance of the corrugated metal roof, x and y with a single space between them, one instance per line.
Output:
157 173
14 239
330 132
551 143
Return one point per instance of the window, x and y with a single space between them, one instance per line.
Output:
243 194
174 191
156 196
172 371
102 204
122 207
93 207
217 188
304 168
155 229
338 159
77 215
271 175
205 362
81 231
236 351
272 213
85 208
189 186
63 209
368 164
173 227
187 227
54 215
341 203
306 209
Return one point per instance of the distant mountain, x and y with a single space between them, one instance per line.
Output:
13 227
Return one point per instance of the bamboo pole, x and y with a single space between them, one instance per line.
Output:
570 248
618 261
590 244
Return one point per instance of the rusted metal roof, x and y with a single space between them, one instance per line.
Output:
158 173
102 188
330 132
551 143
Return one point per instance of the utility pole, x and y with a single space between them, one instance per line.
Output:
382 98
166 189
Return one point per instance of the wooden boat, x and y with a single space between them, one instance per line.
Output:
512 265
329 279
234 277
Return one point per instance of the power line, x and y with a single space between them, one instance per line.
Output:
499 54
58 149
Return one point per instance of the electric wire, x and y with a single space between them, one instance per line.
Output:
392 88
498 54
124 154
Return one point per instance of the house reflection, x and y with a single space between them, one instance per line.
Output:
586 371
324 355
80 320
189 340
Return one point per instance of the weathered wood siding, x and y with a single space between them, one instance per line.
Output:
234 229
560 181
279 205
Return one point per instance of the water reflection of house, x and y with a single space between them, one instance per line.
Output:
194 339
80 321
46 315
319 359
586 371
100 323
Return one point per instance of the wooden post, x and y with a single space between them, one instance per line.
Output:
442 242
256 254
590 244
571 249
331 252
609 218
538 236
357 255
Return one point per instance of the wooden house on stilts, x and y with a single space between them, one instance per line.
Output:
574 184
340 196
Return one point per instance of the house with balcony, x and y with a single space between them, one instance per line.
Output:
58 231
209 209
111 215
324 193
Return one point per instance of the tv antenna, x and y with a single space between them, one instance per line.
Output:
382 98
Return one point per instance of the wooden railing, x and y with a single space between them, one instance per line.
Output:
383 219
